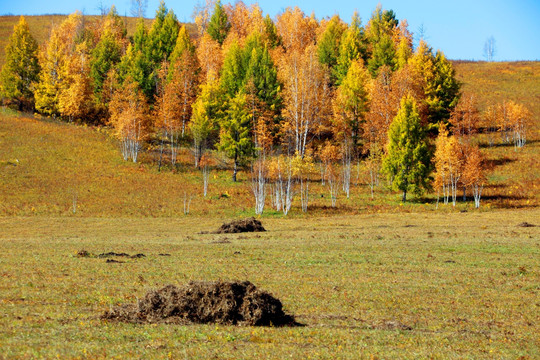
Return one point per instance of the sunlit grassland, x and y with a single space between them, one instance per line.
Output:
515 178
498 81
466 283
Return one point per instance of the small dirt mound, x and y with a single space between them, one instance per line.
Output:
240 226
231 303
112 254
525 224
114 261
83 253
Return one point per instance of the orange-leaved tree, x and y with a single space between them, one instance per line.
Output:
449 163
474 173
129 117
465 117
330 155
306 98
75 99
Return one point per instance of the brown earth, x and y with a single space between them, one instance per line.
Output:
240 226
230 303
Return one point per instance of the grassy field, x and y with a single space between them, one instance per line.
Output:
466 284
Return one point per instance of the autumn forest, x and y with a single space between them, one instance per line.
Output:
285 100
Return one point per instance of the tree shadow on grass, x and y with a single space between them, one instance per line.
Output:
499 162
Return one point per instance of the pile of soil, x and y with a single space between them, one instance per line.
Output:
84 253
240 226
231 303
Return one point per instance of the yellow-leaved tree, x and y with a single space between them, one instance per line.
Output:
21 67
56 64
75 100
351 105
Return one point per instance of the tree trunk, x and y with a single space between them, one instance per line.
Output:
235 170
404 198
160 155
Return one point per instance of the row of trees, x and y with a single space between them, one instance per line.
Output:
281 96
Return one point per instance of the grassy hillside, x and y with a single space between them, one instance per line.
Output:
47 166
40 27
497 81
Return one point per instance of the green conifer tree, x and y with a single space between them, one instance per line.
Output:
444 90
262 73
235 137
135 63
105 55
207 112
271 35
352 47
384 53
328 44
408 157
163 36
183 43
219 25
233 72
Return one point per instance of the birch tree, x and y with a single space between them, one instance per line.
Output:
306 98
129 117
351 105
475 173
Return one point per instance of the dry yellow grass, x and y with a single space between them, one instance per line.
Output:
498 81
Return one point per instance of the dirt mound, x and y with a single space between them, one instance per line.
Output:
114 261
240 226
83 253
525 224
112 254
231 303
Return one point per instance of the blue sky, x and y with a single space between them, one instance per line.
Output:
457 27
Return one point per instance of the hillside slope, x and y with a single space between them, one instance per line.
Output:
497 81
53 168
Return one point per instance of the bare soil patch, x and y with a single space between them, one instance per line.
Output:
108 255
230 303
114 261
241 226
112 254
